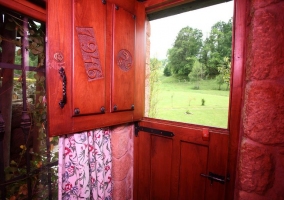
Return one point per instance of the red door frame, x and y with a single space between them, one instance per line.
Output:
237 92
237 89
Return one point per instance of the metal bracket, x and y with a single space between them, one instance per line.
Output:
152 131
215 177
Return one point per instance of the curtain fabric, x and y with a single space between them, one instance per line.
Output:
84 166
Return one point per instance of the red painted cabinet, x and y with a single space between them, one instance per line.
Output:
94 69
123 70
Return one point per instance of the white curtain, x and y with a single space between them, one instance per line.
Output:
84 166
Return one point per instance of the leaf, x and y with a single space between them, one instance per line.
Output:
37 50
32 32
18 42
23 147
13 198
23 189
19 52
13 162
40 99
42 78
36 76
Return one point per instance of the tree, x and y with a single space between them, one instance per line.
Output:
225 71
197 73
167 71
155 65
217 46
186 48
220 81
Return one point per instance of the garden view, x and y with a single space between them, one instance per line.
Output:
192 84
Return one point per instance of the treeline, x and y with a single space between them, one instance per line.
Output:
193 58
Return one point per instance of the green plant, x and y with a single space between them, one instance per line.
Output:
202 102
42 151
214 113
155 65
167 71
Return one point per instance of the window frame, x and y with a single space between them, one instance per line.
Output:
236 96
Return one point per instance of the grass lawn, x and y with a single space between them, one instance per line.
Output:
178 101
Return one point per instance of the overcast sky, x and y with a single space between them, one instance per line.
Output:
165 30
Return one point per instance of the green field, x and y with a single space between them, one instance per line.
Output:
179 101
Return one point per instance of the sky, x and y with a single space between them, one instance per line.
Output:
165 30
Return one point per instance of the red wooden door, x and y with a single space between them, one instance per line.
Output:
170 167
94 70
123 75
88 71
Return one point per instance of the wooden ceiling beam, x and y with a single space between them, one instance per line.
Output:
177 7
26 8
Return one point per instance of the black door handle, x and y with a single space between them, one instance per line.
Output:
63 101
215 177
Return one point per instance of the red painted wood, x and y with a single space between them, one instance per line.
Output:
88 73
59 41
26 8
99 25
161 156
128 5
157 5
123 65
237 90
179 161
143 173
217 164
191 166
140 61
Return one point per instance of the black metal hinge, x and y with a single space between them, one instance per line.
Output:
217 178
152 131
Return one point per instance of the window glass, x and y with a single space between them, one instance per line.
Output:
188 72
28 156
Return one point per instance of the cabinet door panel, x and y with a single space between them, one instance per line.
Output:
85 38
123 66
89 51
174 167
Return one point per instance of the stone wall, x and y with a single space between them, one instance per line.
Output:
122 161
261 161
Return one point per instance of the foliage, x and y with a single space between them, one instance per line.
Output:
155 65
43 151
33 59
217 46
167 71
203 102
225 71
189 47
215 113
181 56
219 80
197 73
18 190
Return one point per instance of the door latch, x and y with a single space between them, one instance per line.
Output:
215 177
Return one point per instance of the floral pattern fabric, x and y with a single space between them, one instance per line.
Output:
85 164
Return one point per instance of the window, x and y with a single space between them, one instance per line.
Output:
189 66
29 156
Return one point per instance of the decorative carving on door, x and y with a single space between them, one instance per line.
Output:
90 52
124 59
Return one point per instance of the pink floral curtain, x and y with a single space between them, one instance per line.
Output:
85 163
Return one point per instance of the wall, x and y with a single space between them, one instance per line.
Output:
122 158
261 159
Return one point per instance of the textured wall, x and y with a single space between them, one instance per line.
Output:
261 164
147 72
122 159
